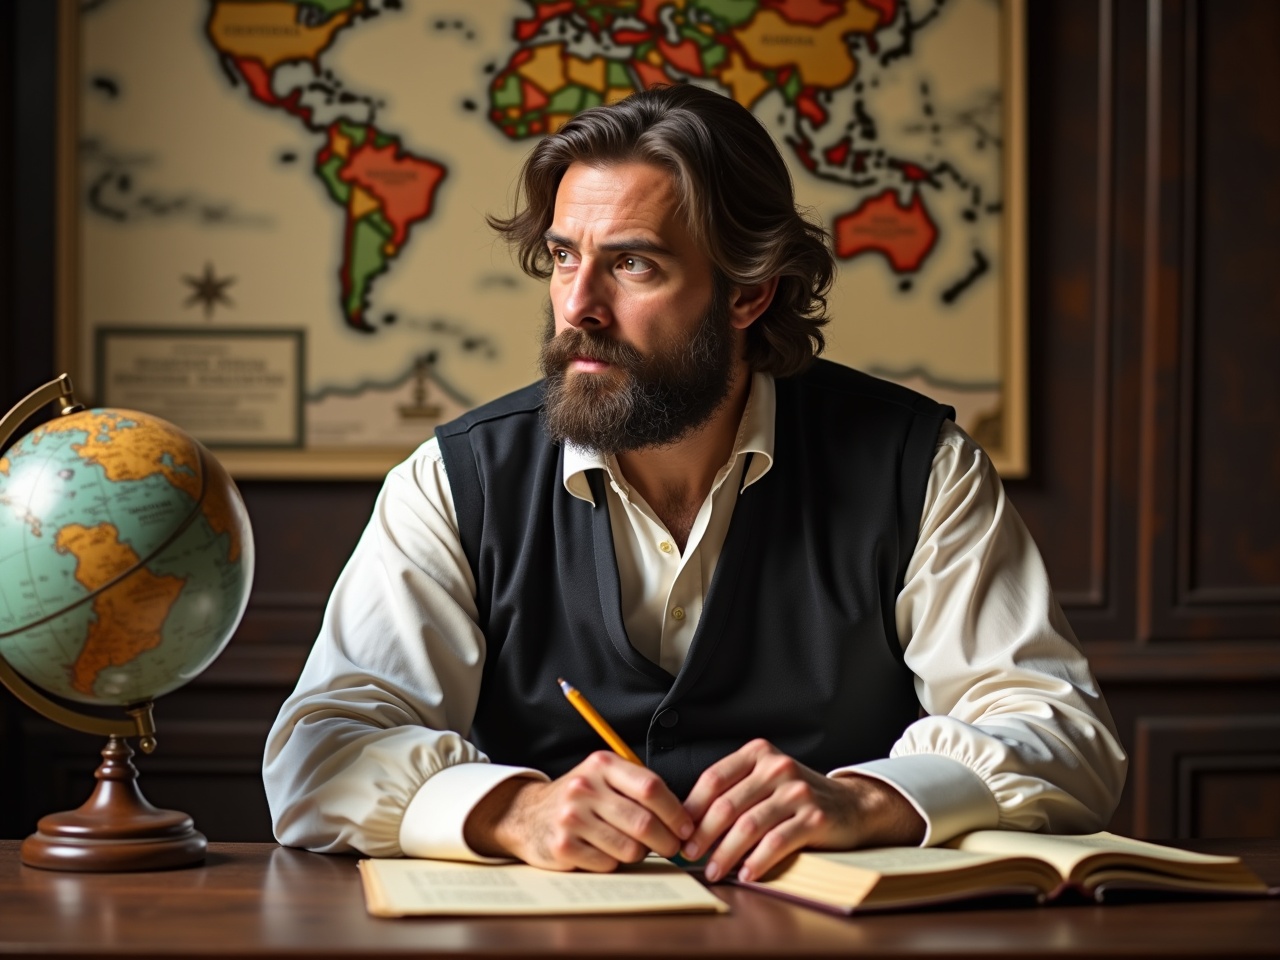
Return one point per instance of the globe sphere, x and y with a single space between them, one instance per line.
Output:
126 557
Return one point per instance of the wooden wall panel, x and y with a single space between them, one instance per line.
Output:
1211 456
1229 543
1183 767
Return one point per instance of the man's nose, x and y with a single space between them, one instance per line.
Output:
587 299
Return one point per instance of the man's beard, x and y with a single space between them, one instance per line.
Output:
651 400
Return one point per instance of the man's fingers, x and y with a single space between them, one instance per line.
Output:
746 831
780 842
717 778
743 779
655 816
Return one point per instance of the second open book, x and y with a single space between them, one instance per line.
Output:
995 862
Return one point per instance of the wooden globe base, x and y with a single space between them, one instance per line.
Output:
116 829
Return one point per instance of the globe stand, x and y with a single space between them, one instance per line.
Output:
116 828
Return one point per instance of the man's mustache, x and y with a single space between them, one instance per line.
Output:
563 348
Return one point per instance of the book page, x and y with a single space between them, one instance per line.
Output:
395 888
902 861
1068 852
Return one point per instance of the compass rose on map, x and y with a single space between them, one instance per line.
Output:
209 290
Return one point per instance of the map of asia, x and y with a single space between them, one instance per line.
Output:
282 202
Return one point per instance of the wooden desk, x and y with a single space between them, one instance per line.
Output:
260 900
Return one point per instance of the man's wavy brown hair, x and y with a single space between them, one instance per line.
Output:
735 196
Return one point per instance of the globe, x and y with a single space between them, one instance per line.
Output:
126 557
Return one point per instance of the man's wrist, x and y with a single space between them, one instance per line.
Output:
489 828
883 816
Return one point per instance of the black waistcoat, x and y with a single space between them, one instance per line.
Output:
797 641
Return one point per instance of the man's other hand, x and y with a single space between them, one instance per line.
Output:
603 812
763 805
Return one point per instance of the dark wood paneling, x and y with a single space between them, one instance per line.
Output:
1182 764
1229 548
1211 457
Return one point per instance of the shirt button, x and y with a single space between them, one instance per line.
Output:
669 718
678 613
665 546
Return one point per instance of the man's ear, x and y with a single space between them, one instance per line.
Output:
747 303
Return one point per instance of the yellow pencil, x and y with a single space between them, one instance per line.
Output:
598 723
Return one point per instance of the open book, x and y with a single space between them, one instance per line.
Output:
998 862
403 888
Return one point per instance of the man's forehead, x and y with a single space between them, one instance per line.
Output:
634 192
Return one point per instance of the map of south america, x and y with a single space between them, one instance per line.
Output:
275 49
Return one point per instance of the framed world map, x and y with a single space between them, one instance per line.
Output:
273 211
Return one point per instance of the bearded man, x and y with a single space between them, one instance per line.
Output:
797 592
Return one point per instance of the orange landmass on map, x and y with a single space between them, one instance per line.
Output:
903 235
154 447
269 32
218 510
129 614
4 465
820 52
745 85
545 67
404 184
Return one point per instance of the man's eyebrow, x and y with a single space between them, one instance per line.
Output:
624 245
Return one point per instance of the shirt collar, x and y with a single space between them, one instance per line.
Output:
755 437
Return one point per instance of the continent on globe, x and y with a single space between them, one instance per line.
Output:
129 615
275 48
160 449
904 235
126 557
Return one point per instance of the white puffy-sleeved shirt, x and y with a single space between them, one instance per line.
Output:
370 752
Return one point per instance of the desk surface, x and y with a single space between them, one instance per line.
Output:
260 900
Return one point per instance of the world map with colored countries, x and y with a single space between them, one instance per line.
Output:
888 111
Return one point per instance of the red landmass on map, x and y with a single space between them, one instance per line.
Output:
404 184
810 12
525 29
888 9
648 11
902 235
912 172
685 55
259 81
534 99
836 155
628 38
809 108
650 76
804 153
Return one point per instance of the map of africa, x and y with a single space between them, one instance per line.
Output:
326 166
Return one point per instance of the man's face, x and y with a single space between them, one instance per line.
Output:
638 349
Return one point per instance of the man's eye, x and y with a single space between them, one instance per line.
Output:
635 265
562 257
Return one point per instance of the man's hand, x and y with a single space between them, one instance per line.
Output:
763 805
603 812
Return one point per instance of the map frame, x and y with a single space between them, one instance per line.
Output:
1007 446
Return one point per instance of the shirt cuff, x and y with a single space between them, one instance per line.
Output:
950 797
433 822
